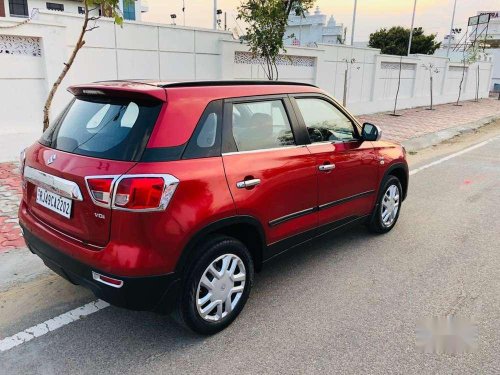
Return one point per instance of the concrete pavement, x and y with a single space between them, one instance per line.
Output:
345 304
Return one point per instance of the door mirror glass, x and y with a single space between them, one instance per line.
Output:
371 132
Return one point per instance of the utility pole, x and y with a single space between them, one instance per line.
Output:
411 28
354 21
215 15
451 29
184 12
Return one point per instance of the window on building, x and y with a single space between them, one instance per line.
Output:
129 10
55 6
81 10
18 8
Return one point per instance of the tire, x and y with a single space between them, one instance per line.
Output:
219 251
379 223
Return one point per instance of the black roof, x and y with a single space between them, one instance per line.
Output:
232 83
161 84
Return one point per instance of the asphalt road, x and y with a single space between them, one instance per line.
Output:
345 304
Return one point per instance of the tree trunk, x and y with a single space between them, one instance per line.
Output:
79 44
344 101
399 84
431 91
461 83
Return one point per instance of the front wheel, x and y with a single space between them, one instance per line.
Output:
217 285
388 206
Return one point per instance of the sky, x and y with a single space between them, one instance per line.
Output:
433 15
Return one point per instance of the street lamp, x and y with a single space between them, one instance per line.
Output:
218 13
183 12
411 28
215 15
353 21
451 29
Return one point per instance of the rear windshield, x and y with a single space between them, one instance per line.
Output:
116 129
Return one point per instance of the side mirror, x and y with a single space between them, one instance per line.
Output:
371 132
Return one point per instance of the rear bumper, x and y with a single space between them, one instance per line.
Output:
154 293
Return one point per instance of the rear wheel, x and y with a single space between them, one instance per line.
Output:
217 285
388 206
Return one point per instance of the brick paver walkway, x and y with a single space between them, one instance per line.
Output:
10 194
420 121
413 123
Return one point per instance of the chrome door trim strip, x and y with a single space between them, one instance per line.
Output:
307 211
263 150
291 216
58 185
346 199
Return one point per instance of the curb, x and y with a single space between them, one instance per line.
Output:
433 139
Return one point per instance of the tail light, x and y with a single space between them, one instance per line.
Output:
133 192
100 189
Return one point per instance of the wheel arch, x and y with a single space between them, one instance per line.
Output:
399 170
246 229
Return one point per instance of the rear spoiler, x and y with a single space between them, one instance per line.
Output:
121 90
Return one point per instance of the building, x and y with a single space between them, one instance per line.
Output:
313 29
24 8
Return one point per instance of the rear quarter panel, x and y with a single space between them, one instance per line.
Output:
201 198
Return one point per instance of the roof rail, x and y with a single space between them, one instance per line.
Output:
232 83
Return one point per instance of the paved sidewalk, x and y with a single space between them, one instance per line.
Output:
417 122
10 194
413 123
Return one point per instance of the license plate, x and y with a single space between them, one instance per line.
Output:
54 202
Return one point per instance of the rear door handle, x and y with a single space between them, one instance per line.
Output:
326 167
247 183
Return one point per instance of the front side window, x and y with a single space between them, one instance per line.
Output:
261 125
324 122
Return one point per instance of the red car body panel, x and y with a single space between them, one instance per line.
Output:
288 184
293 197
356 172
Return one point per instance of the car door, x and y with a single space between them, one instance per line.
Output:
270 171
346 166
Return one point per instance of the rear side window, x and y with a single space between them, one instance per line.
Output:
261 125
116 129
206 139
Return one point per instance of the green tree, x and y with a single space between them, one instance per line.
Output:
394 41
266 25
111 9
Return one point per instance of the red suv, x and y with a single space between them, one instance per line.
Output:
168 196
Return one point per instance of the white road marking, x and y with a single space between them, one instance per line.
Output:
454 155
92 307
51 324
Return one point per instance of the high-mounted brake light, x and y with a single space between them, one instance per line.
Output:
100 189
93 92
144 192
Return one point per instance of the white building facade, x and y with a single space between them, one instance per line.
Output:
131 10
313 29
